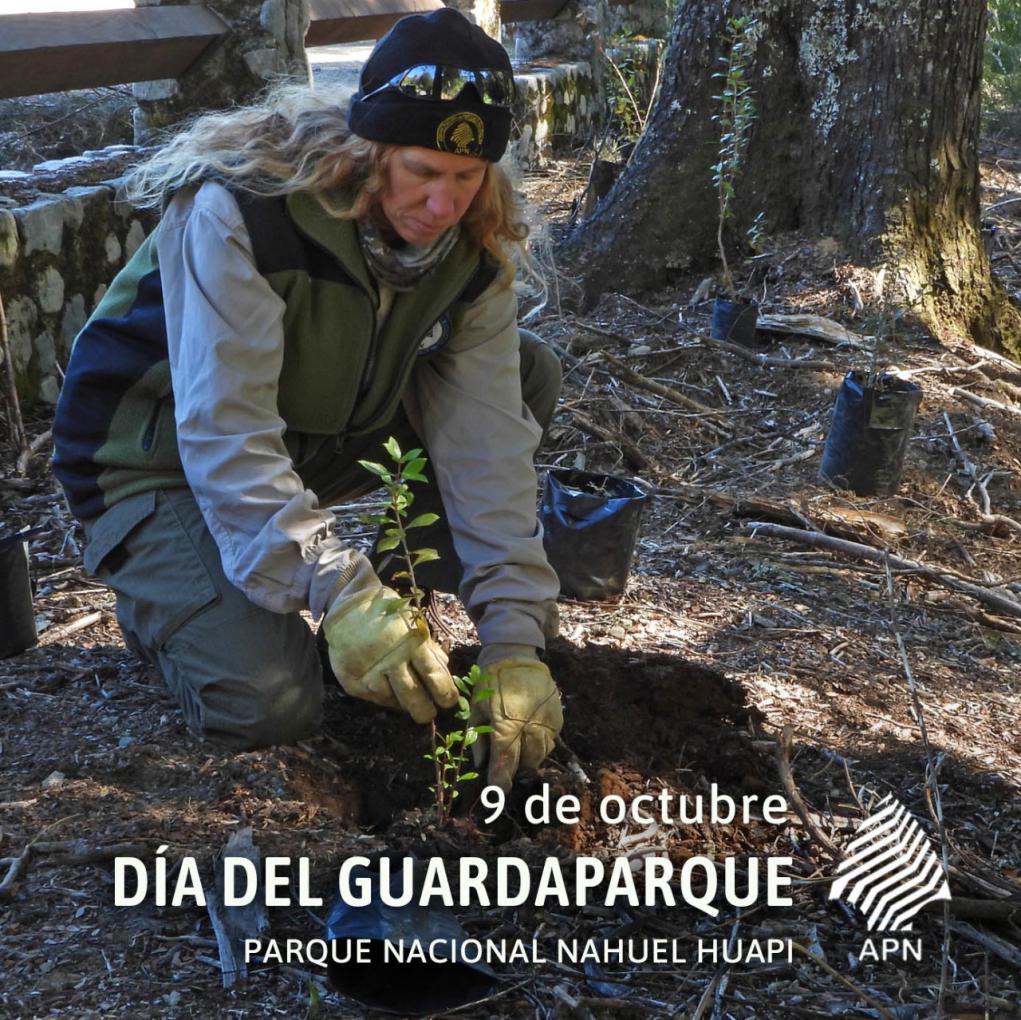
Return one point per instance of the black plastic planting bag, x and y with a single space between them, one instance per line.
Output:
413 987
869 434
590 527
17 615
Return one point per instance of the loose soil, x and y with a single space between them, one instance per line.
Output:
724 637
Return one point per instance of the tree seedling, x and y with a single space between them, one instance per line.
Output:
450 750
405 467
449 754
736 117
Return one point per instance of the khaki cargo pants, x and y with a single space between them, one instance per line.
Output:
244 676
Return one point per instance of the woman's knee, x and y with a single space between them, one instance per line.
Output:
248 694
541 376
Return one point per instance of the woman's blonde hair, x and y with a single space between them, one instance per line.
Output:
298 140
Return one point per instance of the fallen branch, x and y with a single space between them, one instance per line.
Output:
814 326
783 761
1004 950
31 450
18 864
770 361
54 634
846 982
73 852
945 578
233 925
635 458
640 381
984 402
995 522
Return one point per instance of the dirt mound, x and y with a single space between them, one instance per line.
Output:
653 711
672 721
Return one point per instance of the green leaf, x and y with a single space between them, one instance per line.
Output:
413 454
484 692
414 467
391 606
462 704
469 776
378 519
393 448
422 521
423 556
378 470
483 729
471 737
388 543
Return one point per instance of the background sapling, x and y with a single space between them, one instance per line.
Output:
736 116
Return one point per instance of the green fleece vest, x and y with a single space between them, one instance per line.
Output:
342 374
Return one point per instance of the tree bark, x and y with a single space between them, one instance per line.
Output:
866 129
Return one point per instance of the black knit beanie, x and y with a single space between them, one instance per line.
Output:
464 125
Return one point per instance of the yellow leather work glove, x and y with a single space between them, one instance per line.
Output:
525 713
386 657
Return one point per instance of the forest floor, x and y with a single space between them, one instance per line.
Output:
728 634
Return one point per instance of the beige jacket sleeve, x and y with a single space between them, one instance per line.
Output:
225 342
466 404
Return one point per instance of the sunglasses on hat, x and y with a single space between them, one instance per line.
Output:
436 81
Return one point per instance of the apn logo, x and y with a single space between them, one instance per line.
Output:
890 868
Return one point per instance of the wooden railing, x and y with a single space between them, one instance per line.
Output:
86 49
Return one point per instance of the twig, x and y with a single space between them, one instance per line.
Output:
931 782
771 361
73 852
631 453
942 576
627 88
662 390
971 471
55 634
31 450
783 752
846 982
20 863
718 984
1001 948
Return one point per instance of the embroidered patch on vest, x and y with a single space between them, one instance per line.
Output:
437 336
461 133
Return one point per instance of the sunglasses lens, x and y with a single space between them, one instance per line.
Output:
419 82
454 81
433 81
496 87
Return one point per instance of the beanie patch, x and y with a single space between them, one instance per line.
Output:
462 133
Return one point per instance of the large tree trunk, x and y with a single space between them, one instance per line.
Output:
866 129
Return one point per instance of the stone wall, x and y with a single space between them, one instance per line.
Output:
556 109
58 254
60 250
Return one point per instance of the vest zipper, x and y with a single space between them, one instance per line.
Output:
370 360
150 429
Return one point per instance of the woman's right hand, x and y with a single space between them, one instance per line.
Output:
381 653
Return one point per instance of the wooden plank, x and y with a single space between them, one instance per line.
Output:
340 21
85 49
530 10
